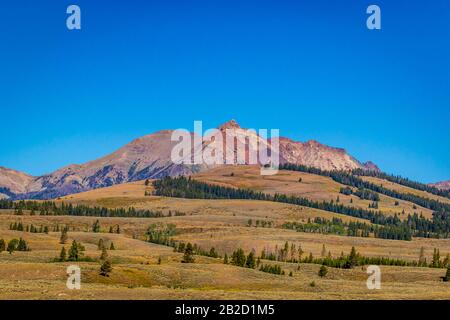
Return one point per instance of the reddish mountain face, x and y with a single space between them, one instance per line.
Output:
444 185
13 182
150 157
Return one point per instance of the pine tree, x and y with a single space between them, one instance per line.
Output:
63 255
436 258
74 254
238 258
250 262
105 268
225 259
323 271
118 229
324 251
2 245
111 229
352 258
422 260
104 254
100 244
96 226
22 245
188 256
111 247
12 245
446 278
159 260
64 237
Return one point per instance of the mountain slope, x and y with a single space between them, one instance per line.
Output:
444 185
150 157
13 182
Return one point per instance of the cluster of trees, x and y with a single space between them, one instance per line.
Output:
160 233
14 245
18 226
75 253
403 181
114 229
366 194
46 208
102 245
352 229
260 223
275 269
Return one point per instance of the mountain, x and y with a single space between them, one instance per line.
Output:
444 185
150 157
13 182
315 154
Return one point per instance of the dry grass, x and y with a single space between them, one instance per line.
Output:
219 223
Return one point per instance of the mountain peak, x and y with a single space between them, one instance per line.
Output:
232 124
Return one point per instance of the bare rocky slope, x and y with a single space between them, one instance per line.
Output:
444 185
150 157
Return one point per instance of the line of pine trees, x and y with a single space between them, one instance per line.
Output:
18 226
14 245
49 208
352 229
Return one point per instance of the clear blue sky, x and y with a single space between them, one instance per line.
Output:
311 69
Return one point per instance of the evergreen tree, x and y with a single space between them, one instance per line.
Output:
323 271
213 253
2 245
100 244
96 226
22 245
64 237
111 229
324 251
105 268
159 260
118 229
63 255
251 261
12 245
225 259
436 258
111 247
74 253
446 278
104 254
238 258
422 260
352 258
188 256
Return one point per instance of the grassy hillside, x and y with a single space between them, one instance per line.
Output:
224 225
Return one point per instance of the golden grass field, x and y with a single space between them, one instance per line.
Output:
220 223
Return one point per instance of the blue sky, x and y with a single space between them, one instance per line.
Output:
311 69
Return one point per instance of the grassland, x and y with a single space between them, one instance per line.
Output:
215 223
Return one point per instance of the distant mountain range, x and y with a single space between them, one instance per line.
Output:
150 157
444 185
